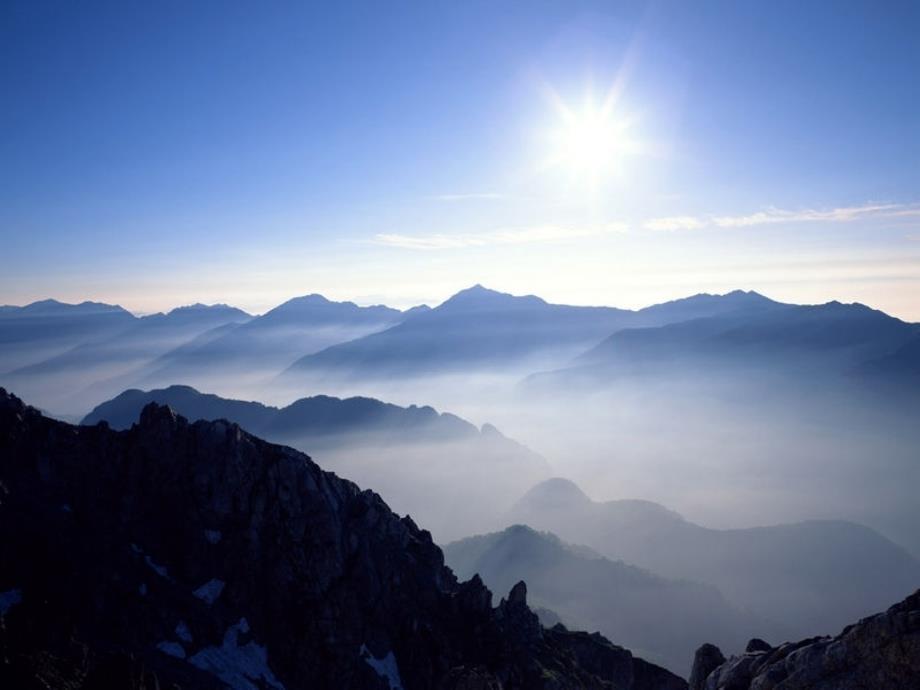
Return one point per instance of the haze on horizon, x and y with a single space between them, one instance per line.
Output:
163 155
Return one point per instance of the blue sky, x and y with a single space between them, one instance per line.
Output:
155 154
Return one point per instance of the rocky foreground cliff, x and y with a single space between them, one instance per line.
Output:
881 652
178 555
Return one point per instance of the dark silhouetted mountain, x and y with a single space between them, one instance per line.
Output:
44 329
319 416
811 576
880 651
660 619
423 462
196 556
481 328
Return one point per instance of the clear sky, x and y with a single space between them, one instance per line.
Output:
160 153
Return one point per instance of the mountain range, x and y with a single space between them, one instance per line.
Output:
783 340
272 341
423 462
812 576
195 555
481 329
107 354
68 355
661 619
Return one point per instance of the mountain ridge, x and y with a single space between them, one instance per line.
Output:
131 558
787 570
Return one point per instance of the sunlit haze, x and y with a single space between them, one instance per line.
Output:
594 153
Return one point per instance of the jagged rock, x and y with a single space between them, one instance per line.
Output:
178 555
757 645
705 661
881 651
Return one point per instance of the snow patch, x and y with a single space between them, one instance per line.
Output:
213 536
183 633
237 665
209 591
172 648
385 667
9 599
157 568
153 565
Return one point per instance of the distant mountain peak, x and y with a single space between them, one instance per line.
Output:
557 492
53 307
480 297
199 307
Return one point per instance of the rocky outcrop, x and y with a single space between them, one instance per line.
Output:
882 651
705 661
180 555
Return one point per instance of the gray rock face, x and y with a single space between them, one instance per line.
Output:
707 659
879 652
180 555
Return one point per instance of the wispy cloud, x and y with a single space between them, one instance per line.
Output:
509 236
834 215
772 216
675 223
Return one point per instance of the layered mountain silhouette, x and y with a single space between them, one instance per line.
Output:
195 555
111 355
313 419
812 576
271 342
422 461
661 619
69 357
48 328
480 328
774 339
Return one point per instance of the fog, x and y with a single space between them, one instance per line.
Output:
713 445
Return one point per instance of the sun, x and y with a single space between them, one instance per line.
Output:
590 143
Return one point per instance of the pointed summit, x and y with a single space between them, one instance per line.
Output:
479 297
554 494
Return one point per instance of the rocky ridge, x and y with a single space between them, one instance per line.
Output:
194 555
881 651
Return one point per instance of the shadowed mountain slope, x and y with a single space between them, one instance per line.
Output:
318 416
198 556
48 328
788 341
879 651
480 328
811 576
104 359
271 342
663 620
421 461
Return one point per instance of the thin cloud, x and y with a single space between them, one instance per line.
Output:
835 215
773 216
511 236
675 223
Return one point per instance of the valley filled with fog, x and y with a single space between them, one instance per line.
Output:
726 449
